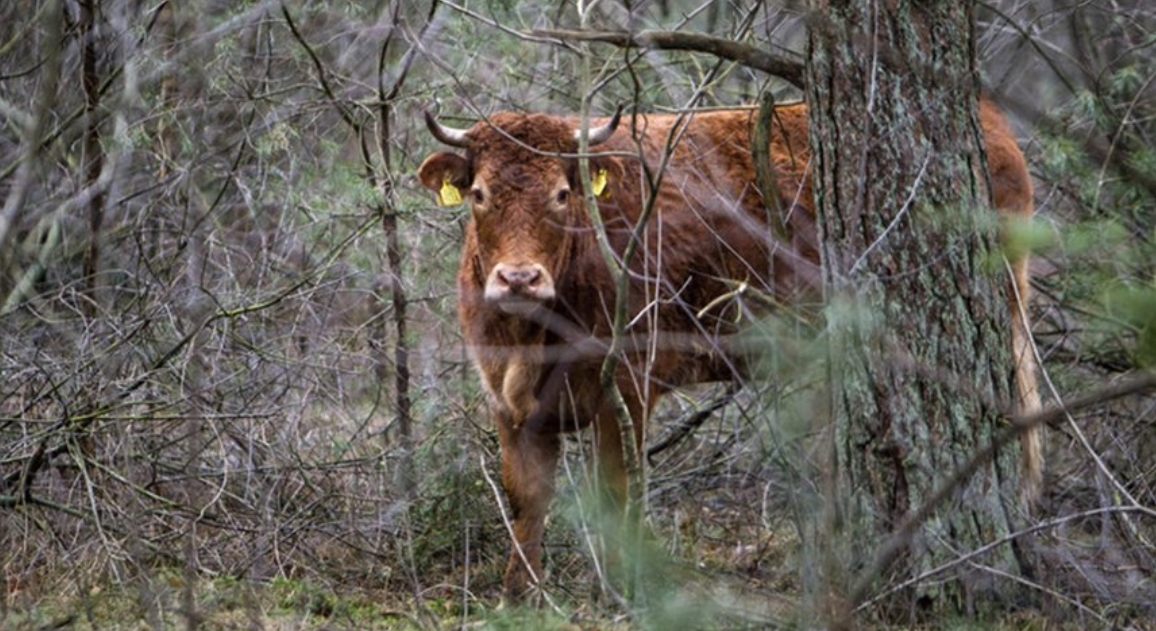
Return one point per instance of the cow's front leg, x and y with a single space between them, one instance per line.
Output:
621 521
611 471
529 460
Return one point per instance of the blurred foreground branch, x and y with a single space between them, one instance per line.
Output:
1136 384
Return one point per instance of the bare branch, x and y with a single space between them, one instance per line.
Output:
750 56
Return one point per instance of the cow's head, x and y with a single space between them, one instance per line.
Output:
520 178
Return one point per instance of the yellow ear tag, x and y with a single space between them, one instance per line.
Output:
598 182
449 195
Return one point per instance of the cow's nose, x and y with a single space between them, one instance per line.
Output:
519 278
524 282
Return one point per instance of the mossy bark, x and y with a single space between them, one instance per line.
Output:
920 361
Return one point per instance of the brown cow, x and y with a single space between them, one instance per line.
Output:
537 301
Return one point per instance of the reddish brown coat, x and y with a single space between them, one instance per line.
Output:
535 297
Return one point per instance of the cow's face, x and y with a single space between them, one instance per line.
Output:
524 196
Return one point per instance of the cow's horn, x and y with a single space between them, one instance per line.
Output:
448 135
599 135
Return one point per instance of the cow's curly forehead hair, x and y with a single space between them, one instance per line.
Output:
524 133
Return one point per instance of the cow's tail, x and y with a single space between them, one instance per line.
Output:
1012 190
1027 388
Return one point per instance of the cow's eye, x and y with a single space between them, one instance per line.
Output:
477 195
563 196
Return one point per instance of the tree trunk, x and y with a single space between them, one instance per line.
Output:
93 156
920 358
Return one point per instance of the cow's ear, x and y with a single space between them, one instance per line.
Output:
606 175
446 174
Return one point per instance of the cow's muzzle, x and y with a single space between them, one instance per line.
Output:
524 283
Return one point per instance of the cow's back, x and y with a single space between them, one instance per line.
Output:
708 231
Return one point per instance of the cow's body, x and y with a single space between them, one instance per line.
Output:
537 302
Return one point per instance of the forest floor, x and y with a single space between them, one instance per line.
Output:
172 600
